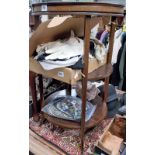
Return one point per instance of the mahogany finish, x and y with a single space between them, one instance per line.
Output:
111 42
41 91
101 72
84 9
85 72
34 94
98 116
109 57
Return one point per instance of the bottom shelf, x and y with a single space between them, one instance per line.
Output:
99 114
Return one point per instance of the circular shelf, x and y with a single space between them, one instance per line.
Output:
98 116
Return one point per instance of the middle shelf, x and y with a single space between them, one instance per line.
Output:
96 71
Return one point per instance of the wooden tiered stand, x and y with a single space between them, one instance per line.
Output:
86 10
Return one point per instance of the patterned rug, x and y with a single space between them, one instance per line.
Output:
68 139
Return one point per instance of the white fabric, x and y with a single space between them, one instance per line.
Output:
71 49
48 64
46 46
117 45
64 50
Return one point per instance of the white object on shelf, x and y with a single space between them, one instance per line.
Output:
73 92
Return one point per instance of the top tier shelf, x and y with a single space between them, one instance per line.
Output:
115 8
44 34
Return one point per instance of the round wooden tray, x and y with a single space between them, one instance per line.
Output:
79 8
99 114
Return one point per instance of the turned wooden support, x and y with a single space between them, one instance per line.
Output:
32 84
85 78
109 57
41 91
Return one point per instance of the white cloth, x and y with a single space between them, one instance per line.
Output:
64 50
117 45
48 64
71 49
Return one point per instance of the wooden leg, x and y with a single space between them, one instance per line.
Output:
69 89
42 119
41 91
111 42
106 86
35 20
34 95
84 81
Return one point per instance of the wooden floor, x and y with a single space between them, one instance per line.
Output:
38 146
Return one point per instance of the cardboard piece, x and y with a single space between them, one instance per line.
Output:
67 75
57 21
43 34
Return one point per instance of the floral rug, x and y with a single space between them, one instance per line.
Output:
68 139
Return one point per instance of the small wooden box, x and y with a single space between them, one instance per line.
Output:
113 136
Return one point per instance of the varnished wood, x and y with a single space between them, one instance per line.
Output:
109 57
41 91
116 3
98 116
111 42
101 72
85 72
82 9
34 94
75 13
34 21
61 122
106 87
100 113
